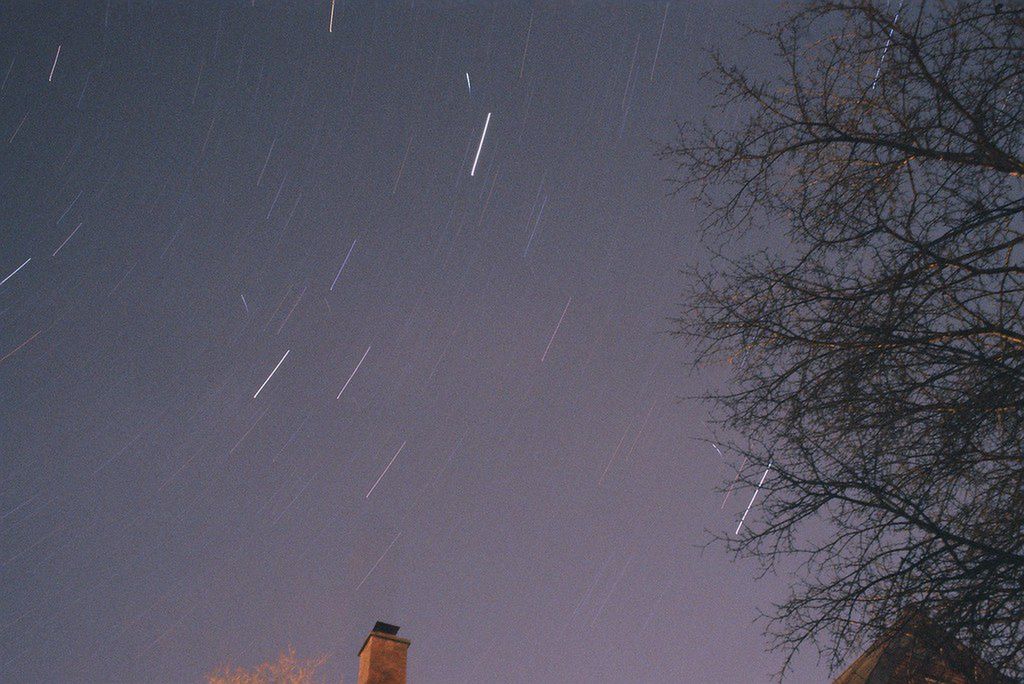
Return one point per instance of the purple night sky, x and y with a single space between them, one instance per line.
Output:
192 192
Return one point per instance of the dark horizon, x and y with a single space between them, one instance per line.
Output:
275 364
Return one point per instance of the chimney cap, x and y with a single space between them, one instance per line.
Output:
385 631
385 628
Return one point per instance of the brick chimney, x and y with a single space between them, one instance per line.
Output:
382 657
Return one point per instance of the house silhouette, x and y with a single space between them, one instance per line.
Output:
915 651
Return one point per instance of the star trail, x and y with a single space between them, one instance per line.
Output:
314 314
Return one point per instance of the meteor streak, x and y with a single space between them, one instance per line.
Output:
66 239
548 348
15 271
888 42
54 67
385 471
354 372
343 265
738 527
481 145
664 18
379 560
272 374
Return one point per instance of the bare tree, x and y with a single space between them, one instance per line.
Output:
287 669
876 346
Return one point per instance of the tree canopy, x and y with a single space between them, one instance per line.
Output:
876 346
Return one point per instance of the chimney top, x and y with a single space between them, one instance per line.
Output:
385 628
382 659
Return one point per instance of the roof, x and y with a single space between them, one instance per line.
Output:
916 651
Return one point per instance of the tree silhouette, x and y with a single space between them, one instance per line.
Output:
287 669
876 345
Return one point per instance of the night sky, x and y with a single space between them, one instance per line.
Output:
285 349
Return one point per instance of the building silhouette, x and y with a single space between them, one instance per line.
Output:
915 651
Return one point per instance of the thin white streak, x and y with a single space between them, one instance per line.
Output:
271 374
526 46
354 372
481 145
468 84
330 26
546 349
593 585
343 265
629 78
265 162
294 498
251 428
658 49
15 271
535 224
385 471
15 134
379 560
888 41
66 240
276 197
401 167
70 207
292 310
20 506
616 452
54 67
735 480
738 527
636 439
6 76
611 591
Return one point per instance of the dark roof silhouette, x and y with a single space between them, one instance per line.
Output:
916 651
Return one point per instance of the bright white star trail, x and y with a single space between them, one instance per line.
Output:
749 505
345 261
557 326
54 67
479 147
385 471
11 274
354 371
272 373
193 191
